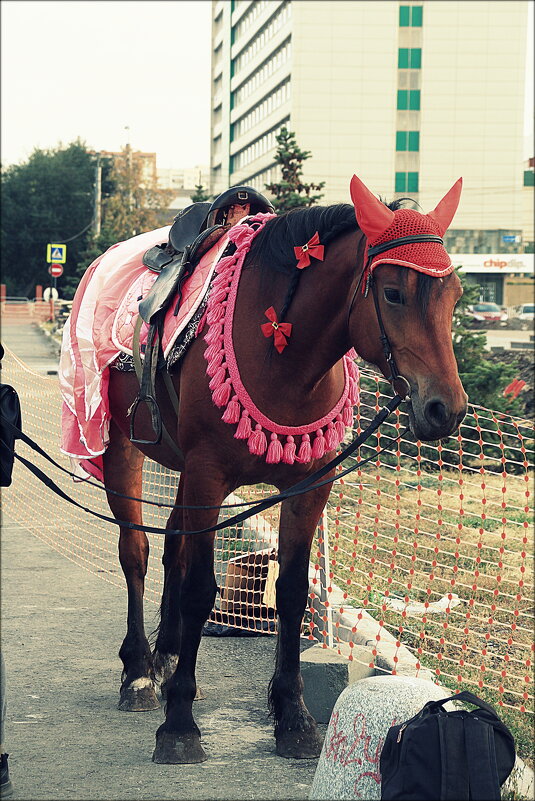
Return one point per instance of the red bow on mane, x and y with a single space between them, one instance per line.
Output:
279 331
311 248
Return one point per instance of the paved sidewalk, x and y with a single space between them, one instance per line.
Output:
61 630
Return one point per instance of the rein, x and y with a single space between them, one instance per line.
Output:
306 485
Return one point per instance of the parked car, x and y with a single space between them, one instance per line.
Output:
526 311
487 313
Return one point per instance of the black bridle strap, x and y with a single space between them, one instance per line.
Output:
308 484
402 240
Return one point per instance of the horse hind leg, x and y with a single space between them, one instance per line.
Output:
123 464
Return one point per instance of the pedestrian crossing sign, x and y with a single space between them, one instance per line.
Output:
56 253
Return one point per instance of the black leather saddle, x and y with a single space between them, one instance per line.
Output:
172 258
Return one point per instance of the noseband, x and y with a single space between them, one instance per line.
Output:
395 375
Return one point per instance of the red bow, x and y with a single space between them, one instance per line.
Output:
312 248
279 331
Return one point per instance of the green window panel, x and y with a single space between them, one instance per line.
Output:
403 58
416 58
529 178
417 15
401 182
401 140
404 16
410 16
403 99
414 140
414 100
412 182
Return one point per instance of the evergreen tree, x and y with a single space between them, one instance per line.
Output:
290 192
200 195
483 379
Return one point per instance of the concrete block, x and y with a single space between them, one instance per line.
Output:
348 766
327 673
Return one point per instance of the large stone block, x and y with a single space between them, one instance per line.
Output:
327 673
348 766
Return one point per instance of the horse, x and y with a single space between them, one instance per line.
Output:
316 282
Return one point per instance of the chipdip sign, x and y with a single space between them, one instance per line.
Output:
502 263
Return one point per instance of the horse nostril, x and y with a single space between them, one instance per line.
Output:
436 413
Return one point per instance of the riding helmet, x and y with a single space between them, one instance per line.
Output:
237 195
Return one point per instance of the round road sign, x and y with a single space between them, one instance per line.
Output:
55 270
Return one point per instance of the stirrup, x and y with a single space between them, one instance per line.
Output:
156 420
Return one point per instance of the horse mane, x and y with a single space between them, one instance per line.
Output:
273 248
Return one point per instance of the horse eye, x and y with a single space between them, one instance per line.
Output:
393 296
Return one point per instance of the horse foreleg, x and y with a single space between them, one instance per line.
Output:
178 738
123 464
296 731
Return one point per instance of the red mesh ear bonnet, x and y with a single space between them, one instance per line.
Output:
381 225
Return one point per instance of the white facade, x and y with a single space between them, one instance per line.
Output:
409 95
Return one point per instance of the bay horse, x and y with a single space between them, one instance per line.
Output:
293 373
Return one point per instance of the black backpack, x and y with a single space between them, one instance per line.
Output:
447 756
10 412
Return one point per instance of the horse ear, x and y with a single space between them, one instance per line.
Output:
372 216
445 211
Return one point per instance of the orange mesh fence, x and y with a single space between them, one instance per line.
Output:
426 549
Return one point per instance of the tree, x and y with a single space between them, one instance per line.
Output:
48 199
200 195
483 379
290 192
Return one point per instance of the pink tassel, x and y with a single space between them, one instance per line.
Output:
288 453
353 392
213 350
274 453
347 414
215 332
331 438
257 441
216 314
219 296
222 280
318 448
305 451
340 427
232 412
215 363
221 395
352 369
219 377
244 427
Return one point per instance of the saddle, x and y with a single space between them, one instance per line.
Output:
175 262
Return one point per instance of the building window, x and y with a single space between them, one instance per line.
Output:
409 58
406 182
410 16
261 110
408 99
408 140
277 21
268 67
529 176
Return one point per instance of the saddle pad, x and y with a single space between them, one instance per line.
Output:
89 347
193 292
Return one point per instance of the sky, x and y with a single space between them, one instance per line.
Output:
108 72
117 71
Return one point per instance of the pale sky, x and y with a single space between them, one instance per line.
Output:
89 68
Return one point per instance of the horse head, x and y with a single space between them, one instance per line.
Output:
410 304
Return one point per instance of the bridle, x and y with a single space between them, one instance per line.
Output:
395 376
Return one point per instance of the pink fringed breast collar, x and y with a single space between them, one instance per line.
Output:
226 386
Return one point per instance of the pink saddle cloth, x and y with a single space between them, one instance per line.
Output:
101 327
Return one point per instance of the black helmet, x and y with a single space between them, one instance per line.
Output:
240 196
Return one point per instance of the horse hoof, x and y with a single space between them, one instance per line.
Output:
138 699
299 744
173 750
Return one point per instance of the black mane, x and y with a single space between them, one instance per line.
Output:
273 247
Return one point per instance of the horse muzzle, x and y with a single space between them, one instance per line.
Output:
435 417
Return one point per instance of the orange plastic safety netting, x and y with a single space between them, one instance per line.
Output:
425 551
